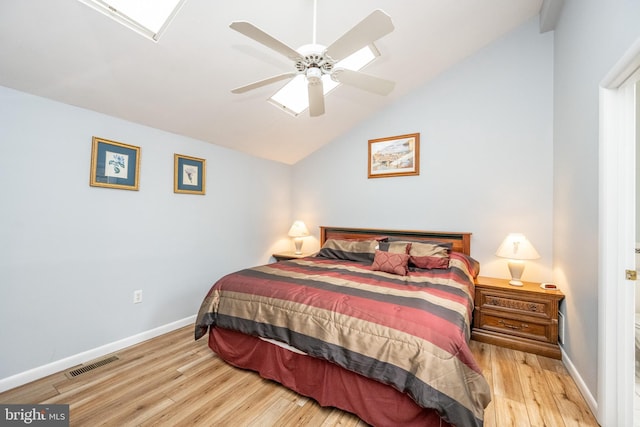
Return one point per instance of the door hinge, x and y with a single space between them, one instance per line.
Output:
631 274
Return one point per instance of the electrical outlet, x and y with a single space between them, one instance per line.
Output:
137 296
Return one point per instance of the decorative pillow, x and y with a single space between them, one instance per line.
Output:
390 262
448 245
350 250
429 255
395 247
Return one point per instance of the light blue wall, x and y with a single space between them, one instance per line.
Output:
71 255
590 38
486 157
501 133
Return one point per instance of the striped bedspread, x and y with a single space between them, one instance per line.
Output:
410 332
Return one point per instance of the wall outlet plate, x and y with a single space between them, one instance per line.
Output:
137 296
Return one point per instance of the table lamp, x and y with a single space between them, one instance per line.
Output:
517 248
298 230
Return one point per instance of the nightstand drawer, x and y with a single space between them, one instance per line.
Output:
520 328
521 304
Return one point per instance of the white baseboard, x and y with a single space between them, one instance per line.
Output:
588 397
77 359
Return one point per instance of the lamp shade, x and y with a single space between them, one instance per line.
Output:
517 246
298 229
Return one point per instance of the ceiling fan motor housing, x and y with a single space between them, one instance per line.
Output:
313 57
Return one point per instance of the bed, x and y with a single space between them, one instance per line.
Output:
377 323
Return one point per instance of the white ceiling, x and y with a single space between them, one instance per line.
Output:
66 51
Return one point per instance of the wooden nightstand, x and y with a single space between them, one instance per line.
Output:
519 317
284 256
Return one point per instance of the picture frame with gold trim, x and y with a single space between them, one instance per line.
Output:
189 174
114 165
394 156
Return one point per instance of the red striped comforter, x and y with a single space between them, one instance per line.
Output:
410 332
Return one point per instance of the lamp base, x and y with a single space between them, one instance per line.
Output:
298 242
516 267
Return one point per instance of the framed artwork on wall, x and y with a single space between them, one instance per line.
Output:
394 156
189 174
114 164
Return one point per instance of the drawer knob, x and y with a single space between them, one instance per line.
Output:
510 326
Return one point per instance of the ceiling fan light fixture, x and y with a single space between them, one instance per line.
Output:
314 75
293 97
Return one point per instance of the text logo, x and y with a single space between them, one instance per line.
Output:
34 415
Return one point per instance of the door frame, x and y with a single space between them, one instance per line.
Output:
617 228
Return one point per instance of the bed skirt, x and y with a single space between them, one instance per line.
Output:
375 403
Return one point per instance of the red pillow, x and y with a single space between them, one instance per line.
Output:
427 255
430 262
389 262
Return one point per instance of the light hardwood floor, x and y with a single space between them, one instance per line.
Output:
173 380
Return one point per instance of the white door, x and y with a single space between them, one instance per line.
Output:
636 397
616 293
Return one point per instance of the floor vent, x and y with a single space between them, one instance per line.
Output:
91 366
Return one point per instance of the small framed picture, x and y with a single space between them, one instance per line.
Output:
394 156
114 165
189 174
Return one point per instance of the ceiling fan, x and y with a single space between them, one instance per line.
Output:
314 60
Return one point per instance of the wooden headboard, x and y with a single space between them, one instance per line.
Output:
461 241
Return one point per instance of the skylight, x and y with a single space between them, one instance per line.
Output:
294 97
147 17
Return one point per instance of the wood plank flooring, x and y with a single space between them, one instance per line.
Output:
173 380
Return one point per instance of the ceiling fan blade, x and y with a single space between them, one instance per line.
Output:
316 98
264 82
363 81
255 33
370 29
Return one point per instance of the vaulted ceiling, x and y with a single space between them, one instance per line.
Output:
68 52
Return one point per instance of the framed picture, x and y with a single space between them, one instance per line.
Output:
394 156
114 165
189 174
